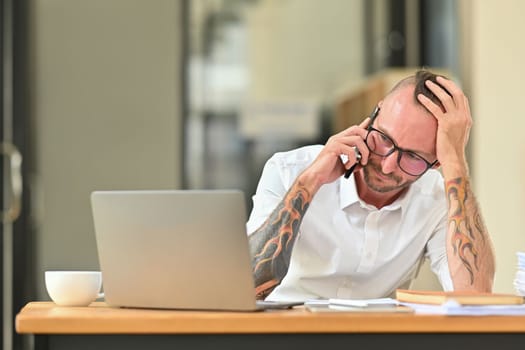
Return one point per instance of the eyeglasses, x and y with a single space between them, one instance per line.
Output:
408 161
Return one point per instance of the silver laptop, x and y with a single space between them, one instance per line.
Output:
175 249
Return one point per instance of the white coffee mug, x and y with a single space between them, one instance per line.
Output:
73 288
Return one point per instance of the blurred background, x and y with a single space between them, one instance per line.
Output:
190 94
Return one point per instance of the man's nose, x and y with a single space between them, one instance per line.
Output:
389 163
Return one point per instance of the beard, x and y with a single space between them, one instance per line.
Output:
385 182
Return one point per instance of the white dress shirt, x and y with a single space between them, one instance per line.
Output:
347 248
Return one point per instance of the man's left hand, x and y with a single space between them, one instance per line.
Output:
454 124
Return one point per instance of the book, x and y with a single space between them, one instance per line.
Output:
461 297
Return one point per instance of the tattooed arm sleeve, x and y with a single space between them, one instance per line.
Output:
469 248
271 245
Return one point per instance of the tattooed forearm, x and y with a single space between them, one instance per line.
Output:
462 235
467 233
271 245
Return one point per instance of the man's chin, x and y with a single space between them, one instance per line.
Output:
382 189
380 186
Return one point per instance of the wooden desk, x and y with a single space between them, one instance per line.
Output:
101 327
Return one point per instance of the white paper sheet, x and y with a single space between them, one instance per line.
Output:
452 308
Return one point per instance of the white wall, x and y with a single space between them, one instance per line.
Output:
106 106
304 48
497 76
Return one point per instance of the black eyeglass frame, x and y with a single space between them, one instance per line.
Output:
395 148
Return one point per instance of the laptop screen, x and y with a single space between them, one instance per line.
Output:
182 249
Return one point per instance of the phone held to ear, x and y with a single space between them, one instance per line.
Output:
358 156
357 160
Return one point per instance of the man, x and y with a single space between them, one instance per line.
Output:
315 233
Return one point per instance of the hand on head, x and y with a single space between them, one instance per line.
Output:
454 123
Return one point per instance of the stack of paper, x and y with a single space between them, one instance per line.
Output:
355 305
519 281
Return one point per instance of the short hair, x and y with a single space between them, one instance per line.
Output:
418 80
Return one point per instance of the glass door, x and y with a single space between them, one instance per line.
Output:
16 270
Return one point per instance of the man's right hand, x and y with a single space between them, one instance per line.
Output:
328 166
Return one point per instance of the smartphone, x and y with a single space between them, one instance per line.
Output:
358 159
358 156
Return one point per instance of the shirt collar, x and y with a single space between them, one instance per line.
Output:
348 195
348 192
